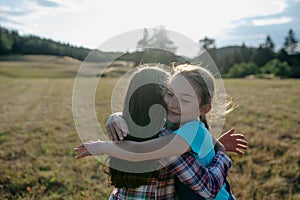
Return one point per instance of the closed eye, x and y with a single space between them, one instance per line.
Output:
169 93
185 101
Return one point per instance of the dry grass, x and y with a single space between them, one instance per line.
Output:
268 114
37 135
40 66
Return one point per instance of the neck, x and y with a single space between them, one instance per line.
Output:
171 125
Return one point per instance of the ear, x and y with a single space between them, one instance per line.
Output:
205 109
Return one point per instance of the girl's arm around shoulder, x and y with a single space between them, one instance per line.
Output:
162 147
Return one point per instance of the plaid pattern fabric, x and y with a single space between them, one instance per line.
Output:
161 188
205 182
158 188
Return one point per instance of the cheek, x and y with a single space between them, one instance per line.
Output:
190 109
166 99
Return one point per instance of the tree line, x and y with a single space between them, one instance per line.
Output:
13 43
232 61
241 61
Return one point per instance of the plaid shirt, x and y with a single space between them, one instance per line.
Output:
205 181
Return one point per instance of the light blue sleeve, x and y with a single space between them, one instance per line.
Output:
199 139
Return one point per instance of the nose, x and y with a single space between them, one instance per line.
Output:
173 102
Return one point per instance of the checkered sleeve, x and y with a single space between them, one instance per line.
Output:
207 182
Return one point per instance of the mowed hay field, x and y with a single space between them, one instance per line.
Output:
37 134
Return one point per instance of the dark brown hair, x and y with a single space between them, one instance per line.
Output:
144 91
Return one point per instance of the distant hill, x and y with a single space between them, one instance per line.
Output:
13 43
48 66
221 53
38 66
41 58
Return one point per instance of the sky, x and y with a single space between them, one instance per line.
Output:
90 23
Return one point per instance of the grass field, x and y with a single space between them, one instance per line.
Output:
37 134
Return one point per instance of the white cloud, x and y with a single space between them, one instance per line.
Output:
272 21
90 22
238 23
249 40
4 8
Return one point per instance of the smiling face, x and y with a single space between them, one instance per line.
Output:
182 102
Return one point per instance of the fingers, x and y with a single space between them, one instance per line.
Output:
116 135
119 133
238 151
113 132
242 143
238 136
231 131
117 129
240 146
80 148
83 155
109 131
235 143
123 127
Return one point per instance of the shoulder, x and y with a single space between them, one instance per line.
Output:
192 131
195 127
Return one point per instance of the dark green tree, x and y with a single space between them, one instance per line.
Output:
269 44
245 53
277 68
6 41
282 55
290 43
237 56
226 63
17 42
262 55
209 45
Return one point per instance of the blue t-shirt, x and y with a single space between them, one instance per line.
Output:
201 143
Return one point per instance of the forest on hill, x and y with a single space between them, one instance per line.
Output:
11 42
232 61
